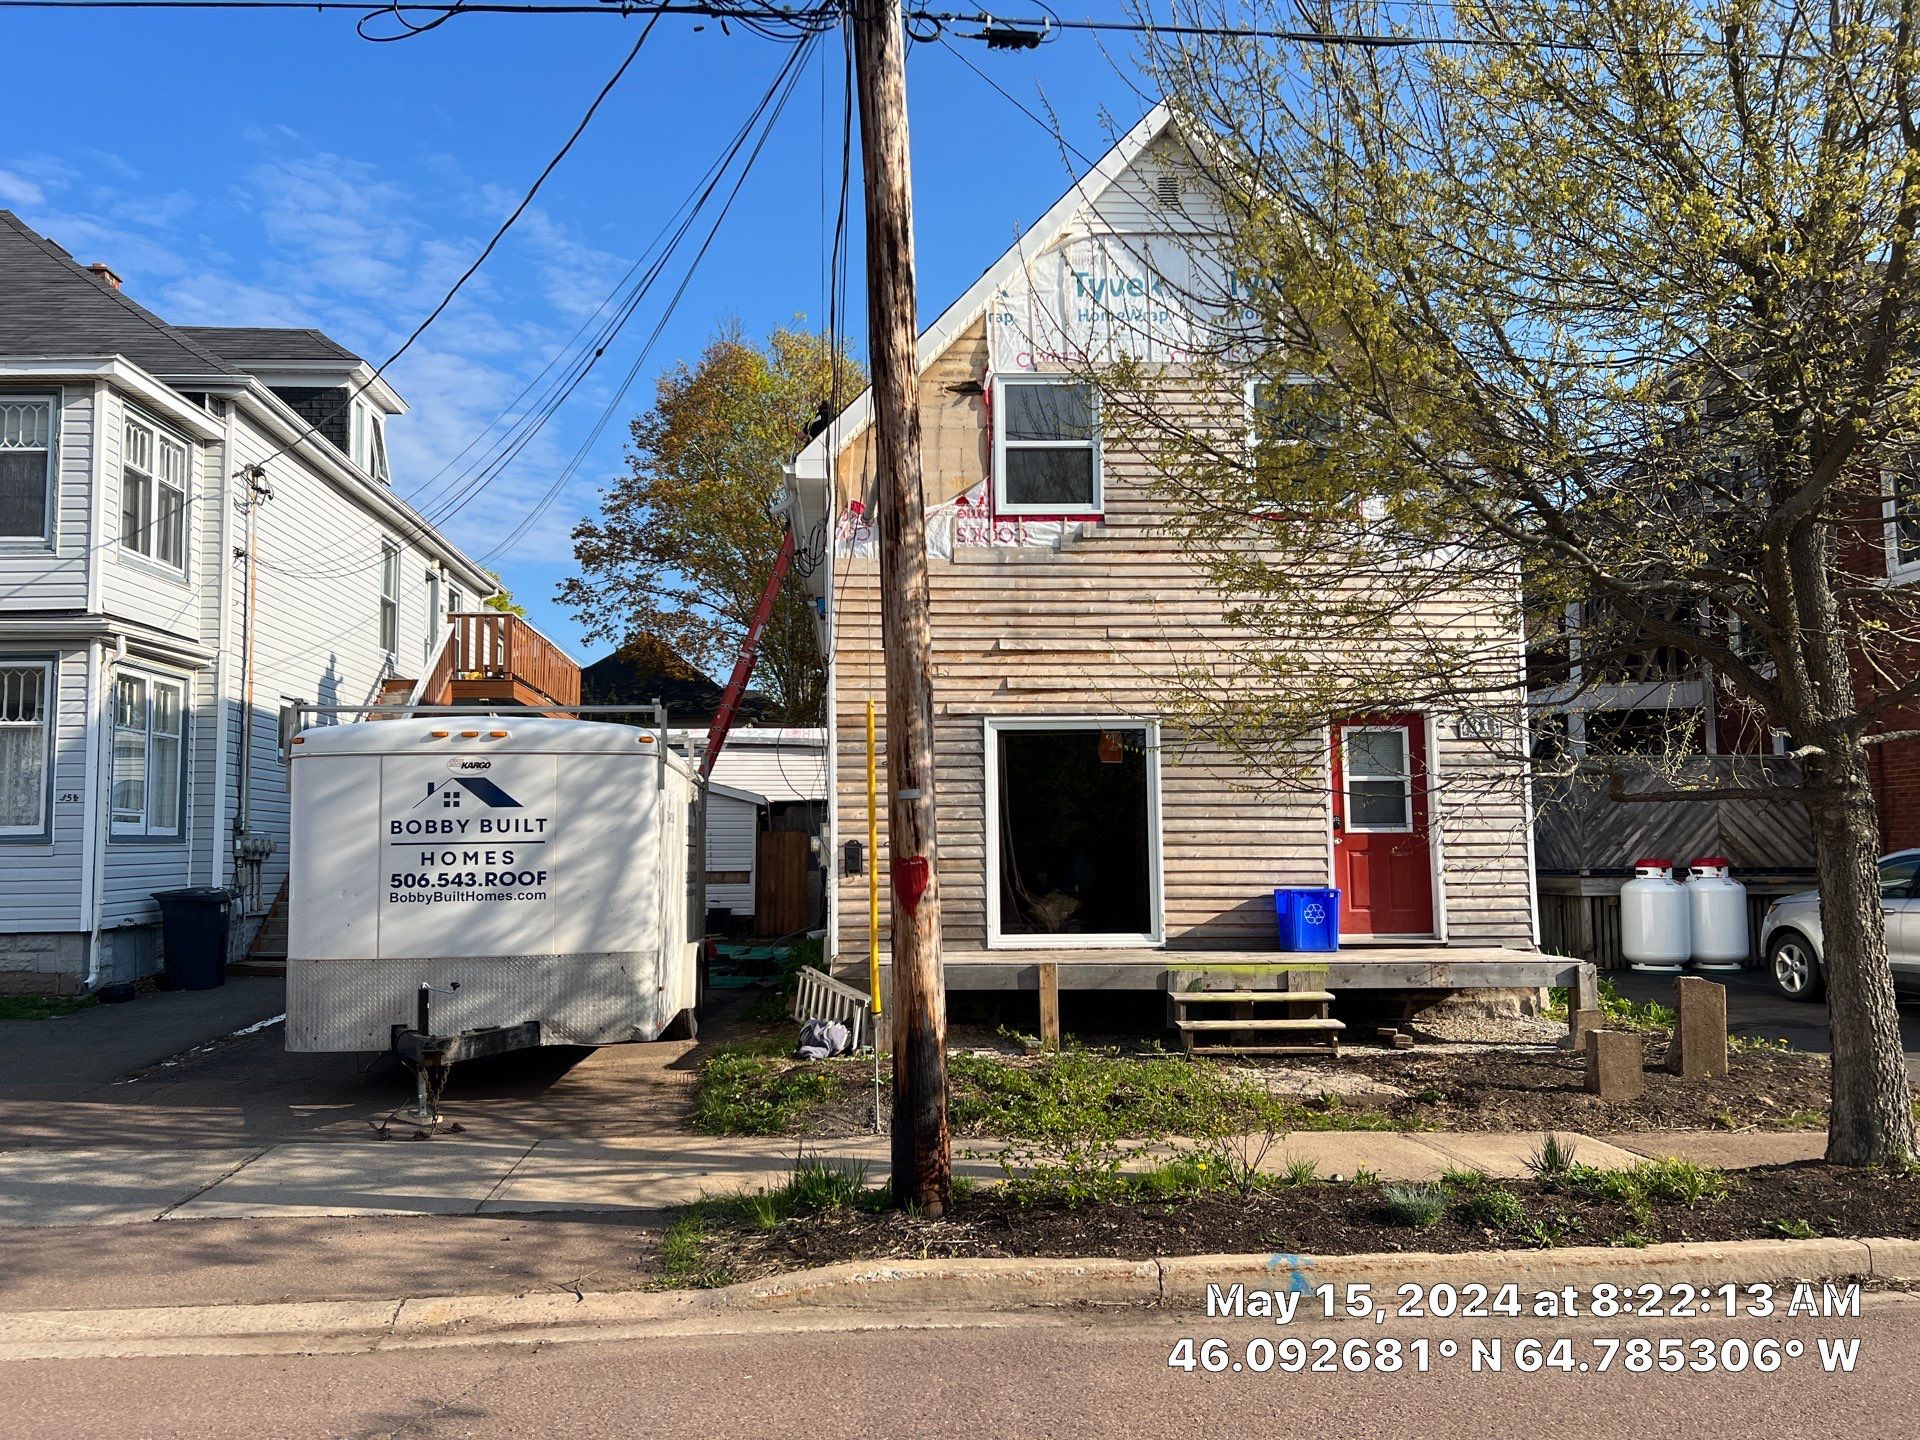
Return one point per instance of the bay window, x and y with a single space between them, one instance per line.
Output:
1046 446
26 467
153 494
149 754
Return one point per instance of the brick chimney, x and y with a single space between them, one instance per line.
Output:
106 272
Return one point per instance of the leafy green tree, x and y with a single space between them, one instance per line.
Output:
685 540
1615 308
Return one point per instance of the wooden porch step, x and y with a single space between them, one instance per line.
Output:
1203 997
1318 1024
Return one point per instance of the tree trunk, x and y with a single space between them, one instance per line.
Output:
1872 1118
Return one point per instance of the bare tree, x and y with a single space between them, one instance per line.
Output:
1606 306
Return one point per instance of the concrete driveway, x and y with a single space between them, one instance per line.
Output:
1754 1007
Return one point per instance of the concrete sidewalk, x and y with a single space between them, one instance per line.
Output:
456 1175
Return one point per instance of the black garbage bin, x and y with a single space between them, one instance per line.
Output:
193 935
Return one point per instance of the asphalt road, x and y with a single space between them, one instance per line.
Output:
1754 1007
1028 1376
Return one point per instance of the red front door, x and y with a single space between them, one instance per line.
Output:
1382 858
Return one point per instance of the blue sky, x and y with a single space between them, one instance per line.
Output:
242 168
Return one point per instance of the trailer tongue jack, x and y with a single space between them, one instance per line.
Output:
432 1057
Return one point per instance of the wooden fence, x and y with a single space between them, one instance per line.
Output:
1580 828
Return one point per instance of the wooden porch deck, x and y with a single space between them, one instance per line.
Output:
1357 967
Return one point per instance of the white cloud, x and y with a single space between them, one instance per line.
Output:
18 191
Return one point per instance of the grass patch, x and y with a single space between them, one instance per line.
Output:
1414 1205
1494 1207
44 1007
1647 1016
753 1089
686 1260
1080 1095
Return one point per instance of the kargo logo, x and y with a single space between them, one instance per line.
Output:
468 767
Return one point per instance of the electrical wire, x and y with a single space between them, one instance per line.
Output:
474 480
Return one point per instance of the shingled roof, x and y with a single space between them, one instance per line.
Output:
250 346
56 307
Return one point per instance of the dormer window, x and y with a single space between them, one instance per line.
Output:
1046 446
370 442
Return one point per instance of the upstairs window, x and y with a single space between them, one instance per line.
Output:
370 443
1293 412
153 494
26 467
1047 446
24 732
149 755
1902 483
389 597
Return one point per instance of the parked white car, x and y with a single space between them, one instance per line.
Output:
1791 939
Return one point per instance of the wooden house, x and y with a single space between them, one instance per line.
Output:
1078 827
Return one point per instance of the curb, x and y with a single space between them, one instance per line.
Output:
881 1290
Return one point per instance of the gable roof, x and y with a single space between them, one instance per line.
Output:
251 345
851 422
55 306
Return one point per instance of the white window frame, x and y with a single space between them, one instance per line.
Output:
144 540
50 499
1156 850
436 617
1406 780
1898 570
1001 504
41 829
124 827
368 441
389 611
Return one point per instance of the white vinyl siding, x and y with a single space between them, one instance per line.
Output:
733 828
149 754
29 460
153 493
26 747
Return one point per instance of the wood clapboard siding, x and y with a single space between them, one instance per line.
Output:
1101 627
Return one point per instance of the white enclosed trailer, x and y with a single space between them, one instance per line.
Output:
463 884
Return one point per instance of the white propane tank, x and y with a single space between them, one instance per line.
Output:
1656 932
1717 906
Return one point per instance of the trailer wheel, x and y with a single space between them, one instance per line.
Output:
684 1026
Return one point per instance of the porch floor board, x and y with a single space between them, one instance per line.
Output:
1369 967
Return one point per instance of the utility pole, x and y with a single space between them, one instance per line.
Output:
922 1143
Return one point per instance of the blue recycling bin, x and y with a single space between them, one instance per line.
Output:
1309 918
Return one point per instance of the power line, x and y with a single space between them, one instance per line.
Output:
471 482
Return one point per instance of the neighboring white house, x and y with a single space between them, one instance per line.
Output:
196 534
766 778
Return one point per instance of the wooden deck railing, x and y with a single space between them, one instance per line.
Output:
493 645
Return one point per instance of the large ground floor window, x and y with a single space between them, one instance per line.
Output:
1074 832
149 754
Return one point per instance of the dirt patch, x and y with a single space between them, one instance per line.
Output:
1325 1219
1502 1089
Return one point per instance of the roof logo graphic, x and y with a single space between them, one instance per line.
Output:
477 787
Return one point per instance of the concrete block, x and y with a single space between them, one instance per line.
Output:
1699 1048
1614 1062
1580 1024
